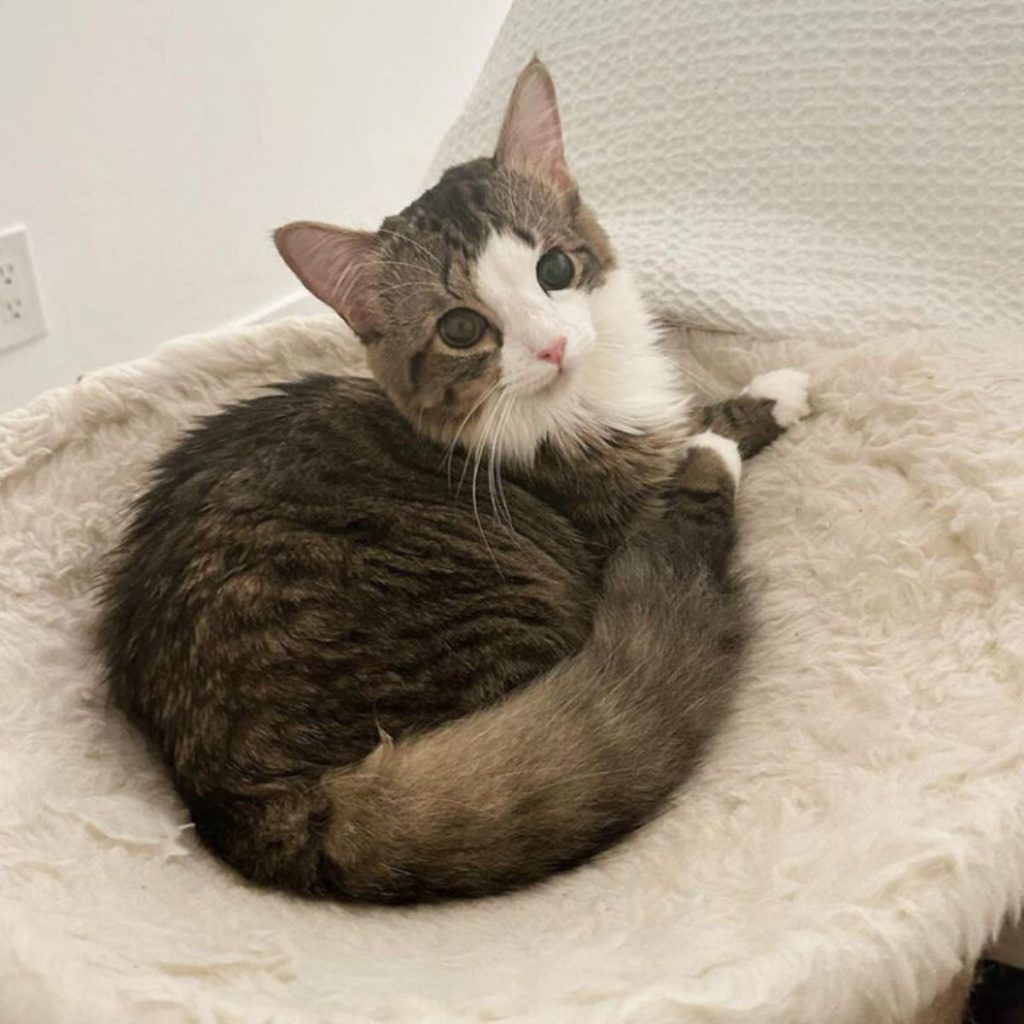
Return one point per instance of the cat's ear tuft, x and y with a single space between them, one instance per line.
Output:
335 265
531 134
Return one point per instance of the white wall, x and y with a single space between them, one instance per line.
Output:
151 148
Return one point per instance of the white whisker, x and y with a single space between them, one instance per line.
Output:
412 241
451 447
476 512
384 264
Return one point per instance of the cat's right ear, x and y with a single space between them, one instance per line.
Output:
335 265
531 134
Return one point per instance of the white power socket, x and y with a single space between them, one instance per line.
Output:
21 312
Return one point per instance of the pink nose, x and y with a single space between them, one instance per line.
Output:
554 353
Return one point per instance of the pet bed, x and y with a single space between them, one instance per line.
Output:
857 834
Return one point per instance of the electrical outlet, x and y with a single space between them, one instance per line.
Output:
21 312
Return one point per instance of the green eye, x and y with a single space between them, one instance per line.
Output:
461 328
555 270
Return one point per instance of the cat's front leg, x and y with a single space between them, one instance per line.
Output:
753 419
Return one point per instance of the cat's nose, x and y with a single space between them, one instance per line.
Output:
555 352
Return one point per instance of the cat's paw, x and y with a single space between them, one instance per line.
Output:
725 448
787 389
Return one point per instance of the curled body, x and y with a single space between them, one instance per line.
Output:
444 632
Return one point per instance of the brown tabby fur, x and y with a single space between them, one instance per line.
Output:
365 687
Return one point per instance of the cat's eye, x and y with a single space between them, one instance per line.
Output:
461 328
555 270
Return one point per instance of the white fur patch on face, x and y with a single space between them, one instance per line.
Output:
787 389
613 376
726 449
530 319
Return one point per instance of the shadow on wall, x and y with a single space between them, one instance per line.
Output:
155 147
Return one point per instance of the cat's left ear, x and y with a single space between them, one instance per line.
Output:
336 265
531 134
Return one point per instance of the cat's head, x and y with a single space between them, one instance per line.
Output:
492 308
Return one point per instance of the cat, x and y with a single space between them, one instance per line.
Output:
370 681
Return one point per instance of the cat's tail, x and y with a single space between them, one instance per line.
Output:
553 773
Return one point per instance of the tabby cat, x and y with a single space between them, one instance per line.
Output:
448 631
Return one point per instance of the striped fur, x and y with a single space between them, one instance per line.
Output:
445 632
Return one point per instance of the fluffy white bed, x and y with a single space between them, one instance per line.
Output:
858 832
856 837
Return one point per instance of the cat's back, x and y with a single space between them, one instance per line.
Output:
316 437
305 557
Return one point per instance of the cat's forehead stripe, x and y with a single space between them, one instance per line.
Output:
470 203
527 236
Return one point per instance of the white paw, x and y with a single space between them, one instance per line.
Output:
787 389
727 450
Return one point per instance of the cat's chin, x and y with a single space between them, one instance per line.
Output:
556 384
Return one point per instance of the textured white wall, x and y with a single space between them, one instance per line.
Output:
151 149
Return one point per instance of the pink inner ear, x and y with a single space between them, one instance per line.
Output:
531 135
335 265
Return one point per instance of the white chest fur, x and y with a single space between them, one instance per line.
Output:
615 376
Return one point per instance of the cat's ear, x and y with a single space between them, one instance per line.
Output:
334 264
531 134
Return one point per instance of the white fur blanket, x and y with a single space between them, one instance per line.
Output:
857 834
